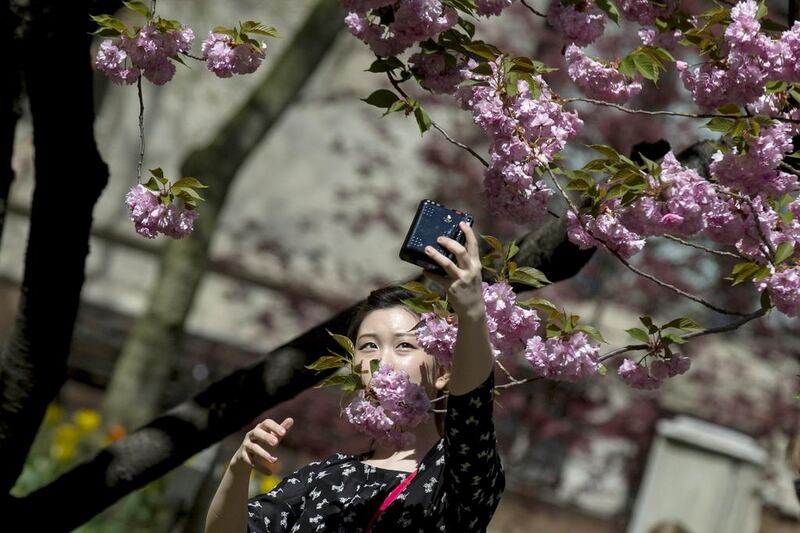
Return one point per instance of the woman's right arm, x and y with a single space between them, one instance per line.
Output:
228 510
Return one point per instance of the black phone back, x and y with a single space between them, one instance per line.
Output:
432 221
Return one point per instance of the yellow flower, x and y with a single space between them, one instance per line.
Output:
65 440
269 482
53 414
87 419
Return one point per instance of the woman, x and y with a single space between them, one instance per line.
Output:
445 482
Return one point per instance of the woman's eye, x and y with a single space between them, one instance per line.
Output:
407 345
367 345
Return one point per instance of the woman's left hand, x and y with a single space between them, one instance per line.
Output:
463 283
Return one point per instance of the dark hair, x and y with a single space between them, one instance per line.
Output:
383 298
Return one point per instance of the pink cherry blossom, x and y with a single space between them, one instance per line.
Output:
581 23
597 80
569 358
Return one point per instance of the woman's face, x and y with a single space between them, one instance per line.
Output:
387 335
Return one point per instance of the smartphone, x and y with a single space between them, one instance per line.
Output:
432 221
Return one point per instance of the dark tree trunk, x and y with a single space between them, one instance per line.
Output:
10 91
69 178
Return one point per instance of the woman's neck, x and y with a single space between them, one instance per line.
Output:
425 437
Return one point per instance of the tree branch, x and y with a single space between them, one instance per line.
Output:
33 364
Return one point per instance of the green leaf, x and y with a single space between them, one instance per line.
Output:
332 381
483 69
647 66
327 362
186 193
592 331
639 334
494 242
110 22
729 109
419 288
385 65
609 8
607 151
648 323
513 249
152 184
253 26
722 125
529 276
671 337
601 369
157 172
683 323
106 32
423 120
138 7
627 67
352 383
784 251
344 342
374 364
189 182
399 105
553 330
381 98
417 305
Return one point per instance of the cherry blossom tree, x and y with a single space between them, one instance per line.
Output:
737 65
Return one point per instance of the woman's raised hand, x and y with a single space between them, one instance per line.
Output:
258 446
463 281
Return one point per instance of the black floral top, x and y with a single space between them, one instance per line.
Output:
457 487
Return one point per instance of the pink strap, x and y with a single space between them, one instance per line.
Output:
390 498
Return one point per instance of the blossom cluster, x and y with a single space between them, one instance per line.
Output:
526 131
438 72
224 57
151 52
676 202
751 59
412 21
151 216
646 12
640 376
564 358
580 23
757 170
148 52
391 404
597 80
510 326
605 229
492 7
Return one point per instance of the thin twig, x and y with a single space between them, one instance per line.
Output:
631 267
668 113
763 237
516 382
505 371
631 347
531 8
463 146
710 331
194 56
705 249
141 131
153 7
